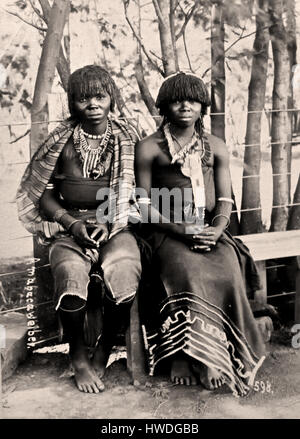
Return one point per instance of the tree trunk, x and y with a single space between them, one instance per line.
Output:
46 72
280 119
218 92
218 70
294 214
251 221
162 9
290 20
45 316
63 64
140 78
172 29
145 93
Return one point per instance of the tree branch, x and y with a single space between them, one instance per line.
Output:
63 66
36 11
186 51
158 11
241 37
144 90
43 29
176 3
20 137
205 72
154 54
139 40
188 16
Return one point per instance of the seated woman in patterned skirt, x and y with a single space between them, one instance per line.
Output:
197 315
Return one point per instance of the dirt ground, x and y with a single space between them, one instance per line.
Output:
43 388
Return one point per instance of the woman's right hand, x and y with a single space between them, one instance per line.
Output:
199 238
81 236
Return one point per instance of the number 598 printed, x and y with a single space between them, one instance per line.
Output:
262 386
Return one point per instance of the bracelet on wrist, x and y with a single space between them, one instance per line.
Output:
67 221
59 213
72 223
228 200
219 215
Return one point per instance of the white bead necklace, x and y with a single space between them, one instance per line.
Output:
179 156
93 136
92 165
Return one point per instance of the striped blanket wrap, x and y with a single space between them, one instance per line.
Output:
40 169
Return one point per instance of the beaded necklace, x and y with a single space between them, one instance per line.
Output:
191 146
92 159
92 136
191 166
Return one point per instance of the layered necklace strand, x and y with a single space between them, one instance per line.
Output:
190 162
92 136
179 156
91 157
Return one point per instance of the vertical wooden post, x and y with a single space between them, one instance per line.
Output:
297 296
134 344
2 346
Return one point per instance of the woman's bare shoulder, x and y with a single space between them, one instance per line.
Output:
217 145
150 145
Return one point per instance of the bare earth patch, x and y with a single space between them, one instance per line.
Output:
43 388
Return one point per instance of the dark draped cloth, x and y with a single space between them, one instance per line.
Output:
198 304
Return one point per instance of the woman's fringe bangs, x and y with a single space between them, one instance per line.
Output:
182 87
90 81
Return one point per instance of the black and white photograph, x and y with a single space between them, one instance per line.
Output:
149 213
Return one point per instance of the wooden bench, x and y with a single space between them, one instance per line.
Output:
263 246
273 245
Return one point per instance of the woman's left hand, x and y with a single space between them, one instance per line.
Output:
206 239
98 232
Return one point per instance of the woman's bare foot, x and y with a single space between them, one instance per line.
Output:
85 376
181 372
209 377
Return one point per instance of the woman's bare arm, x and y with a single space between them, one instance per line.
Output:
222 184
147 152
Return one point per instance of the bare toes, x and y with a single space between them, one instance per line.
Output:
100 386
89 389
95 388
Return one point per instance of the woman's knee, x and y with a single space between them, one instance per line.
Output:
71 303
122 277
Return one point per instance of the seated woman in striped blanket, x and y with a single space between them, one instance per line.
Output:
62 199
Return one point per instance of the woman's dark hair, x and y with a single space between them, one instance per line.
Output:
179 87
90 81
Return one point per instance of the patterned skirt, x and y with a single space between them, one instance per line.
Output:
199 305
